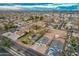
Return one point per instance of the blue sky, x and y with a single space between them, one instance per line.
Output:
39 6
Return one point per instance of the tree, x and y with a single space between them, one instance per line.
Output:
2 17
73 41
8 26
6 42
41 18
26 40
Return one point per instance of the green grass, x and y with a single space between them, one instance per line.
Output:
24 39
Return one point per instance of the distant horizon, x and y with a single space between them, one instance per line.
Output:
39 6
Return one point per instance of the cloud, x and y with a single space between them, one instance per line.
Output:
28 6
8 7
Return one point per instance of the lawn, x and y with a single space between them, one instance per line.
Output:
24 39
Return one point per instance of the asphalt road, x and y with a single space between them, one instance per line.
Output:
27 51
3 52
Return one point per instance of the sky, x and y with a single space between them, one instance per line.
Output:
39 6
39 1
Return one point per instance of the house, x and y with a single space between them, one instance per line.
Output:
11 36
